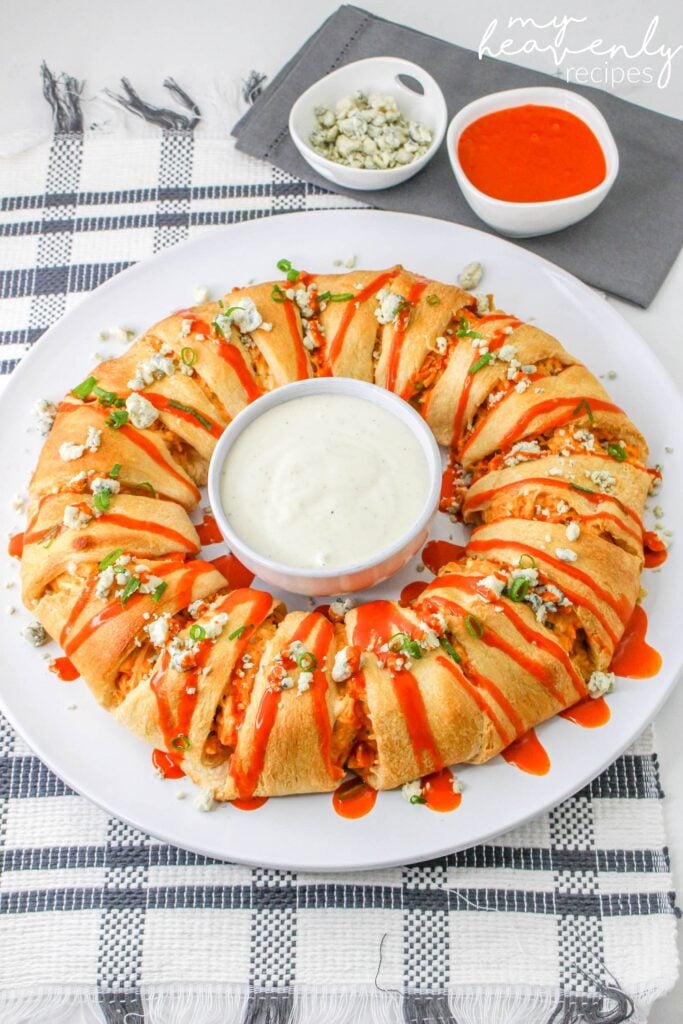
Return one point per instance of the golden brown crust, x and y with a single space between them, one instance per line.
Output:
216 678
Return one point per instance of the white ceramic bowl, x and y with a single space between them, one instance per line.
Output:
524 220
375 74
340 579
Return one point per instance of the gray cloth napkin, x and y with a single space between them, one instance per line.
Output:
626 247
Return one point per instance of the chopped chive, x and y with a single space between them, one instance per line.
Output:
156 594
307 661
237 633
131 586
284 265
180 742
474 626
102 500
105 397
277 294
193 412
481 362
432 300
112 557
583 404
83 389
115 471
518 589
197 632
188 356
117 419
617 452
530 562
415 799
449 649
464 330
584 490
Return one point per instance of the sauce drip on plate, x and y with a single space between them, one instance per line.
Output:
165 765
634 658
438 791
354 798
438 553
64 670
249 803
591 713
528 754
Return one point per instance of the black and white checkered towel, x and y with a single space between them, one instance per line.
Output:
569 919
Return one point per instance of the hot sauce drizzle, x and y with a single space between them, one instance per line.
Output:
228 352
165 765
528 754
411 592
249 803
591 713
438 792
493 344
655 550
16 545
375 623
64 669
354 798
350 311
190 415
483 705
414 292
634 658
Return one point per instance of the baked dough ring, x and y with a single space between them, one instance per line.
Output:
251 701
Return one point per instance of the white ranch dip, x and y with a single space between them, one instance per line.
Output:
324 481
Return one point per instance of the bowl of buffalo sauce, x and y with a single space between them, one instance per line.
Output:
532 161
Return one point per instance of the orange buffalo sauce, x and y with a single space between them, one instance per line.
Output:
354 798
439 793
531 154
591 713
249 803
528 754
634 658
64 669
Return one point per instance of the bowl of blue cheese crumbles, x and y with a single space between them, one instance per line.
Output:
371 124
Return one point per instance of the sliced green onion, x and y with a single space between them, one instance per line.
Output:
148 487
119 403
277 294
117 419
180 742
217 327
464 330
102 500
237 633
481 362
197 632
193 412
284 265
292 275
432 300
584 490
474 626
105 397
518 589
156 594
306 661
112 557
115 471
617 452
449 649
131 586
415 799
583 404
188 356
50 536
84 388
527 562
341 297
233 309
404 642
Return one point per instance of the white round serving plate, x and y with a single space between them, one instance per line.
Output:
103 762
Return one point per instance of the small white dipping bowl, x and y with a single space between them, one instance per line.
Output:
375 74
524 220
338 579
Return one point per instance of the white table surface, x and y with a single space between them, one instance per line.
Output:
146 40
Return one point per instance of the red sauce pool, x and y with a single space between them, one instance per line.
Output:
64 670
438 792
208 531
438 553
354 798
411 592
235 573
16 545
528 754
655 550
634 658
249 803
531 154
591 713
164 763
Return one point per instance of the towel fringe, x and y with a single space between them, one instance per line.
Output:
63 93
162 117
